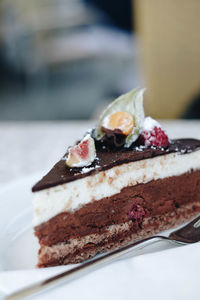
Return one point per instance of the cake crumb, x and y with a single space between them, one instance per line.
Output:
86 170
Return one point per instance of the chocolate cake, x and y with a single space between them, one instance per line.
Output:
124 181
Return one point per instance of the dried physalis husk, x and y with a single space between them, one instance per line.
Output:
125 114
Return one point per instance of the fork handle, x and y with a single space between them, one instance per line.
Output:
83 268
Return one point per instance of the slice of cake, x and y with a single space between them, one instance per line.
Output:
125 180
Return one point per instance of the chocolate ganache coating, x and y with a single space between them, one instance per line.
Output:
109 157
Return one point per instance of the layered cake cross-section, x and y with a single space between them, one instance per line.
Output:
125 180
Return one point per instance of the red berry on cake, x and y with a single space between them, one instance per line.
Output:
153 134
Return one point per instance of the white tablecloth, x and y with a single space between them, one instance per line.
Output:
168 275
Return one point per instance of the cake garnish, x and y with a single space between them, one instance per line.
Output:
153 134
120 120
86 170
121 125
83 154
136 213
123 118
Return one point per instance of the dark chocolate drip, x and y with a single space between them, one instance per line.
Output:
108 158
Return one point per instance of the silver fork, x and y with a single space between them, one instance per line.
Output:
188 234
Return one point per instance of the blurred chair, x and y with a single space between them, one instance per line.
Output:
65 57
26 27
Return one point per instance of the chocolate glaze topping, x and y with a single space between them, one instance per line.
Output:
108 158
113 138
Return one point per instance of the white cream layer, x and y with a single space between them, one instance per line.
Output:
72 195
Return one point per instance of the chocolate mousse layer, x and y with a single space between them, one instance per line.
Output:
108 158
136 203
78 250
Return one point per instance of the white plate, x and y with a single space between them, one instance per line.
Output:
18 245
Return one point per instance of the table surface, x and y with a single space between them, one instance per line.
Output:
31 147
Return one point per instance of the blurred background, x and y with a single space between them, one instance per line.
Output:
66 59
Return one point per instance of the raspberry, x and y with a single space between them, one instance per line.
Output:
156 137
136 213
